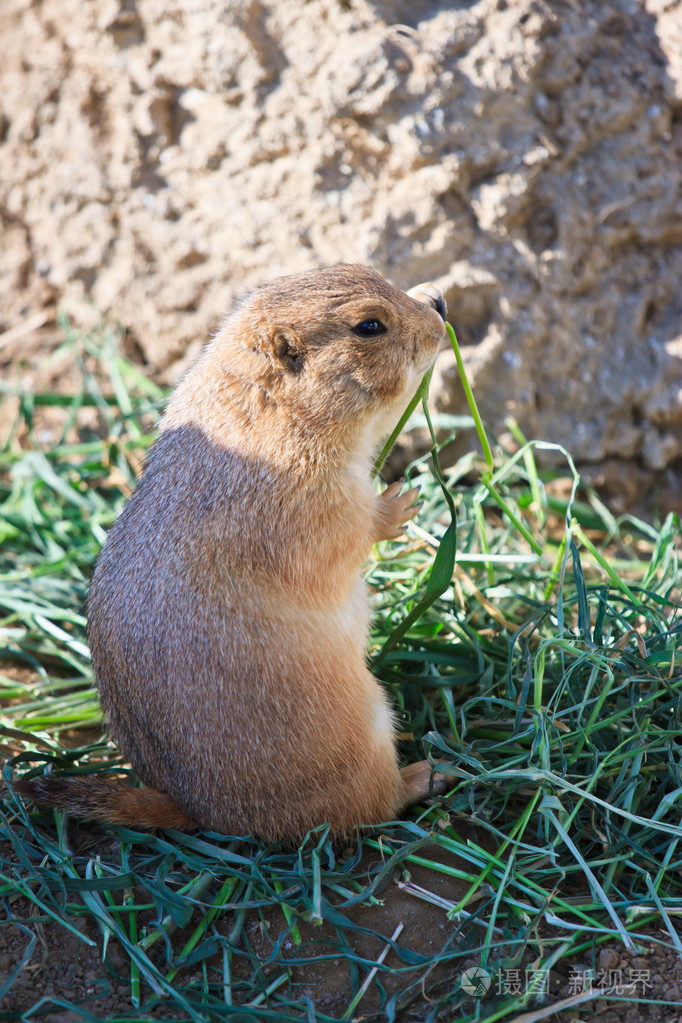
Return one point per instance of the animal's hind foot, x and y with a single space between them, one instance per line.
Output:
418 784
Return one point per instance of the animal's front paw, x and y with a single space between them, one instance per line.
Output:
395 508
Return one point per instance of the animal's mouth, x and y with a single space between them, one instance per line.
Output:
425 363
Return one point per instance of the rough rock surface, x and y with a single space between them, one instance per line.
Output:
525 154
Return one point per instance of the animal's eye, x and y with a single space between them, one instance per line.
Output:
369 328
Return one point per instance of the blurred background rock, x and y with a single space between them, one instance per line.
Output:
157 157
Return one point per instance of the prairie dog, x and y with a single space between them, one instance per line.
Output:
227 613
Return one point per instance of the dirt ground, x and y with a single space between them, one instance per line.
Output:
63 968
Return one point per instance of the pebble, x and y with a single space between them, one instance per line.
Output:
117 957
608 959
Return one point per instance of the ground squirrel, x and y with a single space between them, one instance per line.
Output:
227 614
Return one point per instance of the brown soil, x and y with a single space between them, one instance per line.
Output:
63 968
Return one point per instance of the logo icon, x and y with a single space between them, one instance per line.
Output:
476 981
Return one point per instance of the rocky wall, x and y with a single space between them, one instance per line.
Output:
159 156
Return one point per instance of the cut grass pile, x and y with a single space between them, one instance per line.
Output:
543 674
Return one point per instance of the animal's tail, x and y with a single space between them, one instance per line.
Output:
112 801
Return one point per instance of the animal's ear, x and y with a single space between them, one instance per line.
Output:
286 350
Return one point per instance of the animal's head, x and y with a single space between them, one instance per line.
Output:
340 341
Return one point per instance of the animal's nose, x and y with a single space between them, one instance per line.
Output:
432 295
440 305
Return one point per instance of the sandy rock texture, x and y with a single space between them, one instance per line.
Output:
524 154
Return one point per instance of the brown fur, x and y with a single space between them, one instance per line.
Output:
112 801
227 614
